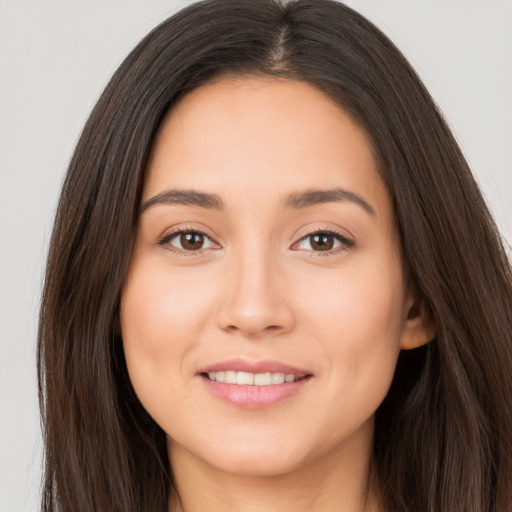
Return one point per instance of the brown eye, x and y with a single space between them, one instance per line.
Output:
191 241
322 242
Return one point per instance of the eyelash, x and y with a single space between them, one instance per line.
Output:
344 241
164 241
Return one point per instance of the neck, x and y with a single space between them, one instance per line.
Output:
336 481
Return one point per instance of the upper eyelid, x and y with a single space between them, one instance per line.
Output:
179 229
299 236
313 231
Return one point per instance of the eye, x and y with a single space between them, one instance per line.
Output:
323 241
188 240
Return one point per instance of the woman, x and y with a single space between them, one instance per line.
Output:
273 282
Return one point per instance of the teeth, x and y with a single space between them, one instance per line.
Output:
256 379
279 378
262 379
244 378
230 377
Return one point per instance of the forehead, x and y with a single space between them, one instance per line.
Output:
262 134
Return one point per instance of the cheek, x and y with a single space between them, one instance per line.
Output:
357 324
162 315
159 306
360 298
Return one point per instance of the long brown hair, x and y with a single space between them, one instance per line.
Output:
443 439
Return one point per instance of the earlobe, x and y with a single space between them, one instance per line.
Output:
419 328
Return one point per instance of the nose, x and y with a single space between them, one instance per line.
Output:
255 302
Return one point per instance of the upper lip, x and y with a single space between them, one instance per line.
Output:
264 366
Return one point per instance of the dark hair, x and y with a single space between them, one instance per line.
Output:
443 437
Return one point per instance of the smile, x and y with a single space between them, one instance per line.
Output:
254 385
252 379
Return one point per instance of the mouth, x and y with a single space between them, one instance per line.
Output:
254 385
241 378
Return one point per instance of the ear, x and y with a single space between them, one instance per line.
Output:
419 328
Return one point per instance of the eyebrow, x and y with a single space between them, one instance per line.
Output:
187 198
335 195
296 200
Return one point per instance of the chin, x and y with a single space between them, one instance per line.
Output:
249 456
258 464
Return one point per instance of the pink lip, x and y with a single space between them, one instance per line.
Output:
242 365
254 397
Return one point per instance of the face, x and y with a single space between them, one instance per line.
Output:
265 305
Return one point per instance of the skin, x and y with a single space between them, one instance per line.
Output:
258 289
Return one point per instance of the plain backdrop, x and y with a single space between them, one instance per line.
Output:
56 57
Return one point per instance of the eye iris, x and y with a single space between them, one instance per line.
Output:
322 242
192 241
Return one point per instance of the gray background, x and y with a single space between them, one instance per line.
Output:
55 58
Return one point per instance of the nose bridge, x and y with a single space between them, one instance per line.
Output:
254 301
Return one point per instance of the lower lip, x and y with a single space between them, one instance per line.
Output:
254 397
